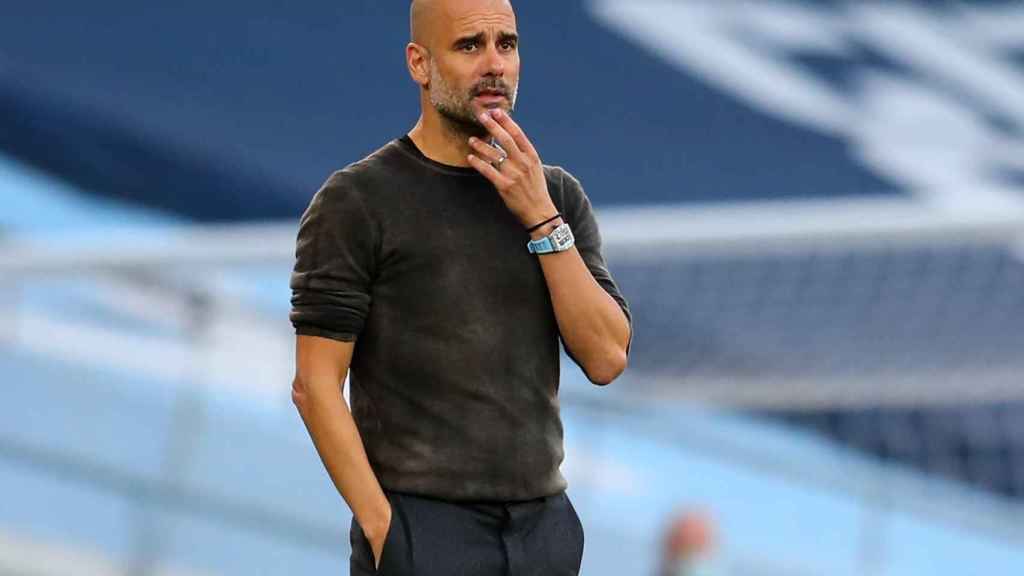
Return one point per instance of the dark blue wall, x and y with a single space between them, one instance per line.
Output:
232 109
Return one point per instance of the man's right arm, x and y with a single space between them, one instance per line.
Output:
321 365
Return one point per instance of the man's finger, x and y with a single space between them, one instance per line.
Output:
513 129
499 180
500 134
486 151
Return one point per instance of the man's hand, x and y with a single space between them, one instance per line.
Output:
377 536
519 176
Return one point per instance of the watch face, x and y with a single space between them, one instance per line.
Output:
562 237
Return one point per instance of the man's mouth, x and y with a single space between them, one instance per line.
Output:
486 94
491 98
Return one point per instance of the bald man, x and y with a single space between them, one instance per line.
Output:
439 274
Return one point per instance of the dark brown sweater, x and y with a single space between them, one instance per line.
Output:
454 377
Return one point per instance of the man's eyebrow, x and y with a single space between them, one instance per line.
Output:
477 38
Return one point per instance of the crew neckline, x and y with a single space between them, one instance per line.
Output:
407 145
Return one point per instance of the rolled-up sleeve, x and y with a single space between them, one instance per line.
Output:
335 260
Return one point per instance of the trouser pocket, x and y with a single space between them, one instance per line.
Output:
393 553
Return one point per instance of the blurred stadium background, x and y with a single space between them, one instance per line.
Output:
816 209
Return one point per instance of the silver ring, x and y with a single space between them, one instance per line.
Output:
500 161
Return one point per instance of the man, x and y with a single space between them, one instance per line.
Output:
690 546
413 272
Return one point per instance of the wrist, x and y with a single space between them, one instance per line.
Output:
377 525
546 229
538 214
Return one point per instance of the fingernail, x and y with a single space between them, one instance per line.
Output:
484 116
472 139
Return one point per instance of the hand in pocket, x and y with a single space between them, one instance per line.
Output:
378 540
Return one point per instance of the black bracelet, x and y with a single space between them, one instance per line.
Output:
553 218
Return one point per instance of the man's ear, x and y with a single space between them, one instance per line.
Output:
418 60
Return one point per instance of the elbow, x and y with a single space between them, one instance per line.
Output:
311 394
300 394
610 366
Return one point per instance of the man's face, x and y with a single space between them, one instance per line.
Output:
474 62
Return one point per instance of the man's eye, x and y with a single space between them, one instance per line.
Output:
468 47
508 45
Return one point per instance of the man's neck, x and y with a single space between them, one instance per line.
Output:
441 141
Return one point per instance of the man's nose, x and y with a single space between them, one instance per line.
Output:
495 62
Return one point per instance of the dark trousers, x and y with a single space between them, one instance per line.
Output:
430 537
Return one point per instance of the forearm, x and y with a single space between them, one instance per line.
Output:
592 324
337 440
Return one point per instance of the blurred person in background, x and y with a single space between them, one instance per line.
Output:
439 273
689 547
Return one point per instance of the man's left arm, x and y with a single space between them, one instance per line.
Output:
594 327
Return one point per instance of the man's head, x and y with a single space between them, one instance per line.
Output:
689 546
464 54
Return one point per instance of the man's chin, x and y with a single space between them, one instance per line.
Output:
469 125
504 106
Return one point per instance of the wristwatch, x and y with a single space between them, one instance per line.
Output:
560 240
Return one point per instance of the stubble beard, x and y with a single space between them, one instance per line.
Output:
456 109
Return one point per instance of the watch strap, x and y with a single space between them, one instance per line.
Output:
559 240
541 246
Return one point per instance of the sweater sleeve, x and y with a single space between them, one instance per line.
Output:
335 262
